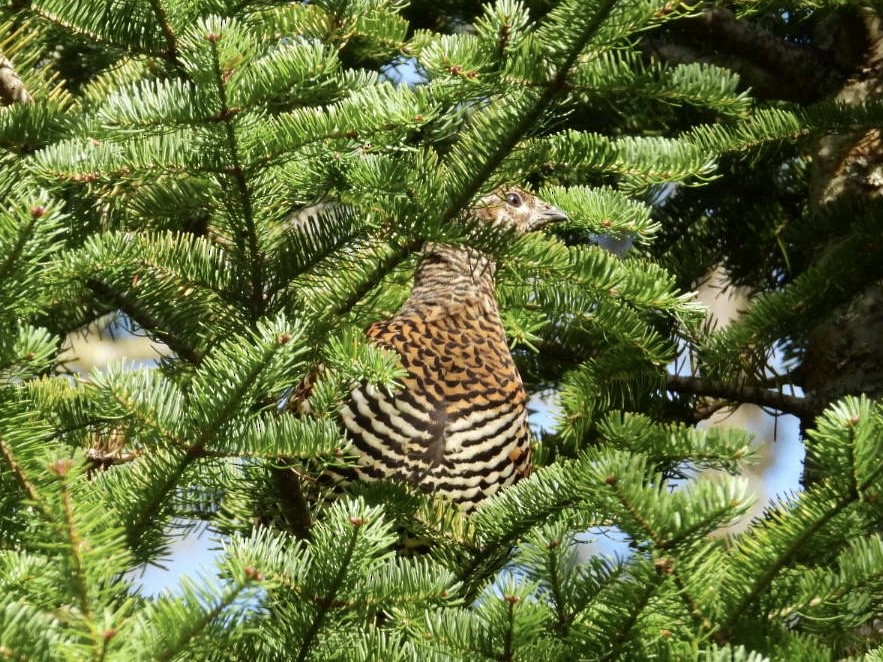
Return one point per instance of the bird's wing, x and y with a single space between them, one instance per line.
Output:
417 413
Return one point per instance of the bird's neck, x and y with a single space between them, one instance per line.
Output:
452 276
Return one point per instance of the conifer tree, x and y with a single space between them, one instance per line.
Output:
250 184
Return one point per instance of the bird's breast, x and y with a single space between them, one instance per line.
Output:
458 424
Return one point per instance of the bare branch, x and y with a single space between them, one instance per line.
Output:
803 408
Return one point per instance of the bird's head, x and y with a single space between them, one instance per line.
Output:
513 209
508 210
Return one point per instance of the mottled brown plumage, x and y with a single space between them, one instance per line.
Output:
458 426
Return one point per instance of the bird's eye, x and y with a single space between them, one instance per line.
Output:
514 199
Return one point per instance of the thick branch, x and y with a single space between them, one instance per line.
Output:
803 408
773 66
787 61
162 19
292 501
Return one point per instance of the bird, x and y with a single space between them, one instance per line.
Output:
457 424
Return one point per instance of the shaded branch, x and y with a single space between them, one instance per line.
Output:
802 407
152 326
773 66
171 54
384 267
292 502
246 234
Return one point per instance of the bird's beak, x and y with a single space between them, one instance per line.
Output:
547 216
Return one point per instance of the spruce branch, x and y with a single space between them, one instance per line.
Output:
20 476
16 251
194 628
171 54
328 600
623 636
802 407
834 503
559 600
26 471
248 232
145 320
768 548
501 150
76 544
624 497
136 415
205 433
399 253
508 654
65 25
528 119
694 608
